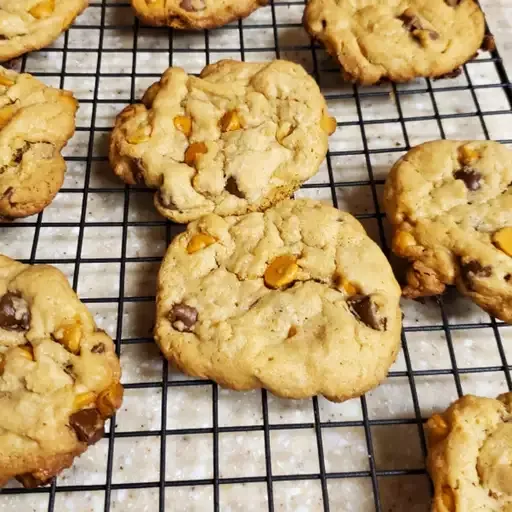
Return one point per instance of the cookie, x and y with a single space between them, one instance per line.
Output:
59 374
450 204
397 40
36 122
239 138
297 300
27 25
194 14
470 455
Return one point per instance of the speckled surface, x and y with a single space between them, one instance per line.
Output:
191 420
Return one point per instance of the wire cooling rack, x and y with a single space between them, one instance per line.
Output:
180 444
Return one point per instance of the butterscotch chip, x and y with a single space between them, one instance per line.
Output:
470 459
193 152
199 241
259 131
42 10
262 306
183 124
230 121
110 400
36 123
397 41
450 205
194 14
503 240
59 374
281 271
30 24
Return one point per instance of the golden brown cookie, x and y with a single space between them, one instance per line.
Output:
397 40
36 122
450 204
59 374
194 14
27 25
297 300
238 138
470 455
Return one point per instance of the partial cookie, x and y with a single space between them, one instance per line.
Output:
470 455
297 300
239 138
450 203
36 122
27 25
194 14
397 40
59 374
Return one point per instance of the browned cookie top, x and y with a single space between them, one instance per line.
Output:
470 455
194 14
450 203
297 299
27 25
59 374
397 39
36 122
238 138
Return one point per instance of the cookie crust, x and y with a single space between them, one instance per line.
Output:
239 138
59 374
36 122
27 25
194 14
470 455
397 40
448 201
297 300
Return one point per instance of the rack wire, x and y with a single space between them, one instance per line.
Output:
181 444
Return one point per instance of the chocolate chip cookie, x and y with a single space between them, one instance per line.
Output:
450 203
27 25
397 40
59 374
194 14
470 455
36 122
238 138
297 300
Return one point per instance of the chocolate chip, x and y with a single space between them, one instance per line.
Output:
17 156
365 309
193 5
488 43
451 74
470 177
508 278
7 194
411 21
88 425
232 188
14 64
29 481
70 370
452 3
99 348
14 313
183 317
473 269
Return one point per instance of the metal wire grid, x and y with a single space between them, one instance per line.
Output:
163 488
